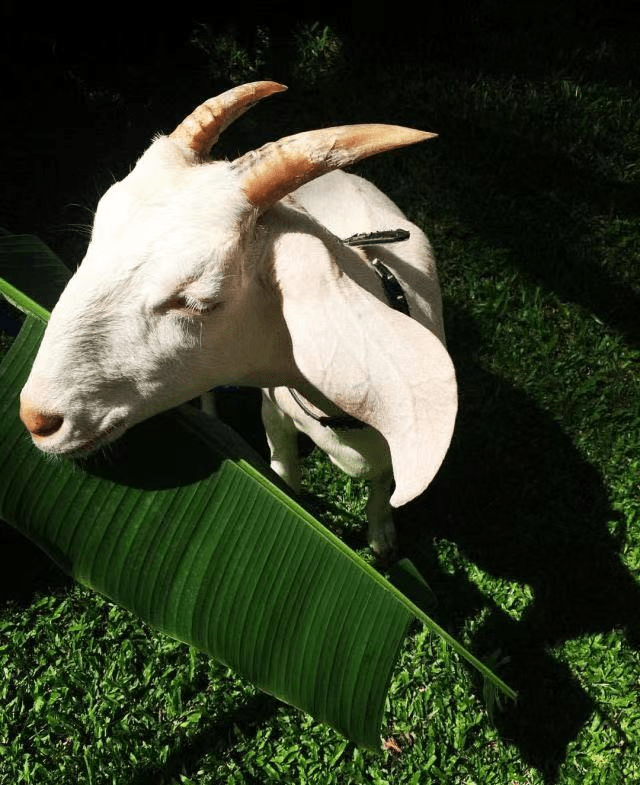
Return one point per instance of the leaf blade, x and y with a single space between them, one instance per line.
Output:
321 625
32 275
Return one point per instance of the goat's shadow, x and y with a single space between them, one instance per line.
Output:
519 501
543 210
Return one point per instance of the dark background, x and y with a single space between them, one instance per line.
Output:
85 86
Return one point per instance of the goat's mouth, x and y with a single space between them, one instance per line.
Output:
92 445
78 448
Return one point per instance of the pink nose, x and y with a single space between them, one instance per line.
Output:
38 423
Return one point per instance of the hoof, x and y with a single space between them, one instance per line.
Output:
384 543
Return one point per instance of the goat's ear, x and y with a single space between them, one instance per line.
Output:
376 364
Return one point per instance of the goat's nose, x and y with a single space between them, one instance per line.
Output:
38 423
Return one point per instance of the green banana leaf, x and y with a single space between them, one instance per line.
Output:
177 524
32 275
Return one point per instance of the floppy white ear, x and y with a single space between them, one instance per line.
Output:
375 363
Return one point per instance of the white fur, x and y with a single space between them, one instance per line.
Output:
185 287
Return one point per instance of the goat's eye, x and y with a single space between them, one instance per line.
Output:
185 305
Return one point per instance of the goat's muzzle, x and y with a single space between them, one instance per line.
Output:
40 423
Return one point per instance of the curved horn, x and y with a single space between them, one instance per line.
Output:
278 168
201 129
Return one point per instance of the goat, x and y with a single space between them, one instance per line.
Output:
204 273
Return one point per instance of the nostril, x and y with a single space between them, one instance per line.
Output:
40 424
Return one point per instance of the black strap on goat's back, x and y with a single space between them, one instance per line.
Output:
378 238
392 289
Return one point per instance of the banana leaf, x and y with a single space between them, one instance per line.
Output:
183 524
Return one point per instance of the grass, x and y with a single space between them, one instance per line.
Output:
530 535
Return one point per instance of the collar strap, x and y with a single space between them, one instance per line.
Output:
396 299
392 289
341 421
378 238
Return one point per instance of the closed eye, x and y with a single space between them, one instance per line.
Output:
185 305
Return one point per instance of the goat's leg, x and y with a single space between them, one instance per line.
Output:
208 403
382 531
282 438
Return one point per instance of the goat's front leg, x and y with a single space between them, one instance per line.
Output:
282 438
382 530
208 403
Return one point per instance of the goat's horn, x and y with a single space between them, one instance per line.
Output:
278 168
201 129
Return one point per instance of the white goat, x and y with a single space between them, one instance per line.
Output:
204 273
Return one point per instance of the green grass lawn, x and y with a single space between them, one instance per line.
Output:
530 534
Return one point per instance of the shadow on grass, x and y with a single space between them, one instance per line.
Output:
215 738
519 501
555 215
25 570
